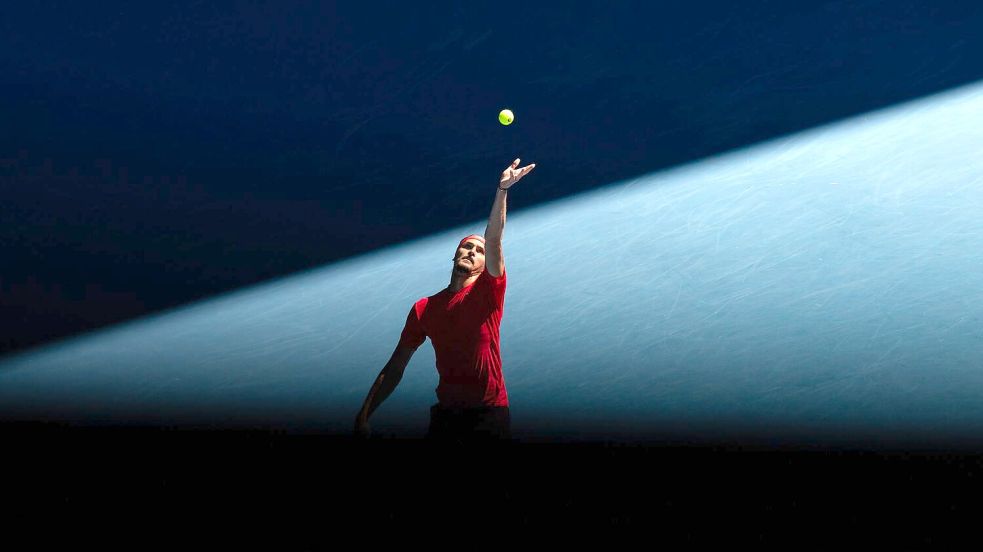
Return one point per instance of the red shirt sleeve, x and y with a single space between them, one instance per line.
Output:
413 333
496 289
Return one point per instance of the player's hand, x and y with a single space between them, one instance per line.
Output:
362 428
512 174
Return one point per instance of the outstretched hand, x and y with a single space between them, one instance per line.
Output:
512 174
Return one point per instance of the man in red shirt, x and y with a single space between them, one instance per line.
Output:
462 322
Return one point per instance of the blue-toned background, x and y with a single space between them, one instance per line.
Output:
747 221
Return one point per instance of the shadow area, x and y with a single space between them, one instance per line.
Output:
256 486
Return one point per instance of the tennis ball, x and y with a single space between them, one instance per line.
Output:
506 117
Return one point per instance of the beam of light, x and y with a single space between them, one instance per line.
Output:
825 287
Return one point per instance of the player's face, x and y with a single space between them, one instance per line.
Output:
470 256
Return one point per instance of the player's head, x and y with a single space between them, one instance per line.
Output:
470 255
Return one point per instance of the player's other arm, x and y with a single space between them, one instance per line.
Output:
494 256
384 385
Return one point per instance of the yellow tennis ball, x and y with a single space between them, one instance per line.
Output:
506 117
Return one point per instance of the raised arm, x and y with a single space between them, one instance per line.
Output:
494 256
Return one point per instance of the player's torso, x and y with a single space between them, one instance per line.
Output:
463 319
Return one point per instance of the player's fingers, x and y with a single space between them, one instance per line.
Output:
515 163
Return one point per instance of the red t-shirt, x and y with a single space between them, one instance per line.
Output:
463 328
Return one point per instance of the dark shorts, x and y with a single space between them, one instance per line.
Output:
469 425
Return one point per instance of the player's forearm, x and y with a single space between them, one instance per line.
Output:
384 385
496 220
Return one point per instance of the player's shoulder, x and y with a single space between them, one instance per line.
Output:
420 305
435 299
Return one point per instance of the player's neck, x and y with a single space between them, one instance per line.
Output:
460 281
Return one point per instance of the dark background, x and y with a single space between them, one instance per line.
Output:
184 489
153 155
